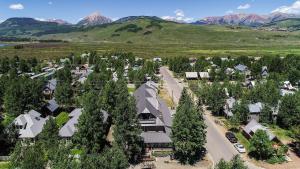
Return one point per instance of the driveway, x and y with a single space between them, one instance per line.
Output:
217 145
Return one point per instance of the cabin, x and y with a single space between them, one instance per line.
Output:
253 126
255 110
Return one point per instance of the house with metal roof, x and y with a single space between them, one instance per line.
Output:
264 72
30 124
204 75
253 126
69 129
255 110
52 106
154 116
241 68
191 75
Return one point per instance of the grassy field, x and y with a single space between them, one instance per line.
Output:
4 165
168 40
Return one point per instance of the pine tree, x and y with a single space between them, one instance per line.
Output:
64 94
188 131
91 128
49 137
127 130
27 156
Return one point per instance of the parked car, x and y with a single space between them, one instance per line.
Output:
231 137
240 148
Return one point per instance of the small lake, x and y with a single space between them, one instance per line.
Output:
3 45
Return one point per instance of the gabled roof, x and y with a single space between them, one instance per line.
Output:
241 68
52 105
31 124
156 137
52 84
147 101
255 108
253 126
70 128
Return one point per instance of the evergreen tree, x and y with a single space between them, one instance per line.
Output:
12 100
188 131
91 128
127 130
114 158
27 156
61 158
64 94
49 137
289 111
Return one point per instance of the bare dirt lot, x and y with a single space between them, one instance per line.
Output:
166 163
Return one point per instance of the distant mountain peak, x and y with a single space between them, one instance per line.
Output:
244 19
59 21
94 19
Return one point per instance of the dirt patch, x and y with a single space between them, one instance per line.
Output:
166 163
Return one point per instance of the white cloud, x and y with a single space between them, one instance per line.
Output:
50 3
245 6
179 17
179 13
292 9
229 12
16 6
41 19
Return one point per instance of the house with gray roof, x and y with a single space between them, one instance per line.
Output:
255 110
30 124
264 72
50 87
154 116
69 129
241 68
191 75
52 106
253 126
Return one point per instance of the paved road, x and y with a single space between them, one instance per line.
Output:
174 88
217 145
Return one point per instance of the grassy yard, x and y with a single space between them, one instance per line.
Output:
4 165
243 140
163 93
282 134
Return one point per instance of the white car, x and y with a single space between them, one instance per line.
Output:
240 148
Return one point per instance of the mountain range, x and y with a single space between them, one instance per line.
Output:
28 27
252 20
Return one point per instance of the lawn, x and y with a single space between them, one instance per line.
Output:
4 165
282 134
243 140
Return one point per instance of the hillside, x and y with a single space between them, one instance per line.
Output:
148 37
150 31
27 27
292 24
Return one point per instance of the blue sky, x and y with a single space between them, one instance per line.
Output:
73 10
